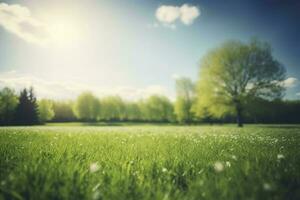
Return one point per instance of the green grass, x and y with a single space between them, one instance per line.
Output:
150 162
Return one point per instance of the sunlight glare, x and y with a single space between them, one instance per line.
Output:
64 31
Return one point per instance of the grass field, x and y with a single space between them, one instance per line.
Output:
150 162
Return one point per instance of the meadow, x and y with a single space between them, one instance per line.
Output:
150 162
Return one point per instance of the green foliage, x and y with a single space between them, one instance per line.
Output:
87 107
113 108
184 100
63 111
234 72
157 109
27 109
46 111
8 104
150 162
133 112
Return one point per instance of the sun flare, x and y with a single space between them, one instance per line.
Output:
64 32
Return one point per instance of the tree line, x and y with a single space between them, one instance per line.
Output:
18 110
238 82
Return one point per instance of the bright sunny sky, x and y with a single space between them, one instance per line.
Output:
133 48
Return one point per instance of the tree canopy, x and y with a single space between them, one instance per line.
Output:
8 104
234 72
46 111
27 109
87 107
184 100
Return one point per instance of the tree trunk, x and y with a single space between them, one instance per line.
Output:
239 117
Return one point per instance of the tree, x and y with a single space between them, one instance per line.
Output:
8 104
157 108
87 107
184 100
63 111
234 72
46 111
113 108
27 109
132 111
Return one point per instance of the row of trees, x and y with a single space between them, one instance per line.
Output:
238 82
24 109
113 108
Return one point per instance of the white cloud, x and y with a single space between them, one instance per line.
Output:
71 89
188 14
290 82
18 20
167 15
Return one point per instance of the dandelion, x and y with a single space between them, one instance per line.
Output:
218 166
280 156
228 164
94 167
164 170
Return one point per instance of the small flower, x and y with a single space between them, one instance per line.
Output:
218 166
164 170
280 156
228 164
234 157
94 167
267 186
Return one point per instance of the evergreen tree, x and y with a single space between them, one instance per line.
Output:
27 109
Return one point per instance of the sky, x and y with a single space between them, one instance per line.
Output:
134 48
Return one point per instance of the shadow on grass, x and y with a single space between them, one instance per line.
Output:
110 124
280 126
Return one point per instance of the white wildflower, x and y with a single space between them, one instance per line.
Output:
94 167
280 156
234 157
218 166
228 164
164 170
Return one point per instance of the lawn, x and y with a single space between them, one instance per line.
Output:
150 162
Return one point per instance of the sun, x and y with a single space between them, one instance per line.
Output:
63 30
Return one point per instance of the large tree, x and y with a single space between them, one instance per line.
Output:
184 100
235 71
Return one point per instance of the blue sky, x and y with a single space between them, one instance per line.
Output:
133 48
